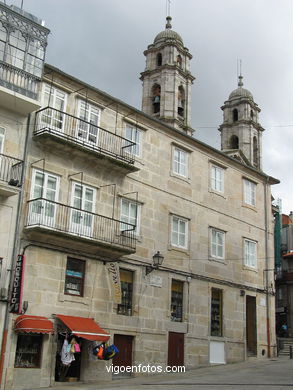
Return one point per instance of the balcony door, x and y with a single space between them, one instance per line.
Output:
42 210
83 204
53 116
87 126
2 162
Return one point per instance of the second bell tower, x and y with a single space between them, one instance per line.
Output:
167 80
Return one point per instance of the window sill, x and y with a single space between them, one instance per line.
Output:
73 299
250 207
218 193
185 179
176 248
218 260
247 268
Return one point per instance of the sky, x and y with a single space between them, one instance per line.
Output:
101 42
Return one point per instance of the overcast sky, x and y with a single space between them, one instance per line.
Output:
102 41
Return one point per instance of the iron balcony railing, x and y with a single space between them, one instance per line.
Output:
11 170
70 220
83 133
19 80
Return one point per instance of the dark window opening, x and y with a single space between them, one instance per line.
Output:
216 312
235 115
126 280
255 150
74 277
181 101
156 98
234 142
251 114
28 351
176 301
179 61
159 59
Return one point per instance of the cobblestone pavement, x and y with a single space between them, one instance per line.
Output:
270 374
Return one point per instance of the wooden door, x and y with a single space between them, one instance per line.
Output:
124 344
176 349
251 338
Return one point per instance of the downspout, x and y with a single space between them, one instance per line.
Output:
14 256
267 267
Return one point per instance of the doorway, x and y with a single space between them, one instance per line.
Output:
251 337
67 372
124 344
176 349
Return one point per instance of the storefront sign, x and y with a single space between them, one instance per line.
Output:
17 286
115 281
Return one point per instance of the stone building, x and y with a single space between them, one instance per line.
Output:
185 229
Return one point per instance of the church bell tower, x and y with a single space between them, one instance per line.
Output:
241 133
167 80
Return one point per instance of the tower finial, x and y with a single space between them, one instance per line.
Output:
240 77
168 24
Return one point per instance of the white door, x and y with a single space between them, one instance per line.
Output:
87 127
53 117
43 211
83 202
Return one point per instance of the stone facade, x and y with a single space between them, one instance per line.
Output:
77 176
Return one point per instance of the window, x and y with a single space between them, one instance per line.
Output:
159 59
249 192
55 100
217 243
74 277
179 232
28 351
134 135
234 142
43 209
216 312
83 207
87 128
176 300
156 92
217 178
180 160
250 258
2 136
235 115
126 280
130 215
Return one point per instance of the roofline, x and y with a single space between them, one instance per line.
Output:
269 179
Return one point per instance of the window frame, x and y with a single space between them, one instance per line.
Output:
126 308
138 211
177 300
249 192
177 170
212 243
2 139
136 137
247 256
39 351
83 263
214 179
216 313
177 244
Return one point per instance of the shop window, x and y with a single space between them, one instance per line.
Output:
28 351
126 280
74 277
216 312
176 300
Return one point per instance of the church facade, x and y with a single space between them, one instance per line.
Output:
133 231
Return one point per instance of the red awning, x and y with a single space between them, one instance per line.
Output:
33 324
83 327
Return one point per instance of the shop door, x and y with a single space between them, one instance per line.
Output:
251 339
176 349
124 357
71 372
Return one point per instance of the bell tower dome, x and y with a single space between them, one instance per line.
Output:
167 80
241 133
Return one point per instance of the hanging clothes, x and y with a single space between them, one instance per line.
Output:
66 355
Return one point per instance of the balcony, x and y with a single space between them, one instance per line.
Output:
18 89
56 128
10 175
58 224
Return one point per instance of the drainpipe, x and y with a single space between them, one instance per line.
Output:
267 267
14 257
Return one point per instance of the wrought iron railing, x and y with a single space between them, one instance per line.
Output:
19 80
83 133
66 219
11 170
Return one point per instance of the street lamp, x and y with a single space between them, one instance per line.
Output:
157 262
